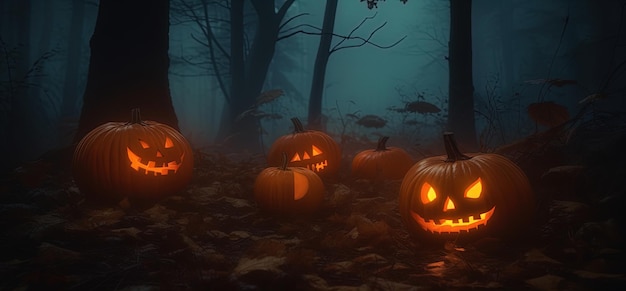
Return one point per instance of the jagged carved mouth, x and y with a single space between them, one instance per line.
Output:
151 167
316 167
454 226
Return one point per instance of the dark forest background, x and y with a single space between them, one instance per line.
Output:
232 73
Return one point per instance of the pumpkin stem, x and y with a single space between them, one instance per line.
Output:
382 144
297 125
454 154
284 162
135 116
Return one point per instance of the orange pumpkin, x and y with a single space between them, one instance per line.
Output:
311 149
136 159
465 194
288 190
381 163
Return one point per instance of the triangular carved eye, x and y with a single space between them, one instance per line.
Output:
428 193
144 144
168 143
474 190
315 151
296 158
305 156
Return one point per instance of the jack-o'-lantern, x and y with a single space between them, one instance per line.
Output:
288 191
137 159
381 163
311 149
461 195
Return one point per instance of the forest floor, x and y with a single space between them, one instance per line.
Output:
212 237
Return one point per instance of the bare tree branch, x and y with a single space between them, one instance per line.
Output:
290 19
300 31
354 30
209 41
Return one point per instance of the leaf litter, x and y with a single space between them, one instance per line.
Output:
212 236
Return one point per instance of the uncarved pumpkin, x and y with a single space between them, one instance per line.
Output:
381 163
288 191
311 149
136 160
466 195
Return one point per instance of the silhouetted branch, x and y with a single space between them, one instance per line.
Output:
365 40
210 41
290 19
343 38
354 30
300 31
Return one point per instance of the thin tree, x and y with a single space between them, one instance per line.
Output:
460 83
324 50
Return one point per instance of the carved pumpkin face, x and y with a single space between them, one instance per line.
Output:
310 160
309 149
441 214
136 159
288 191
153 158
462 194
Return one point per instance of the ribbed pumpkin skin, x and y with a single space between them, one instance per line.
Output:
102 168
274 191
381 163
504 185
300 142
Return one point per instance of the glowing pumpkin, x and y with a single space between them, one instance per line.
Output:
288 190
136 159
462 195
311 149
381 163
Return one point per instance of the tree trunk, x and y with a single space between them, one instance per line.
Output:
461 88
319 69
129 65
227 132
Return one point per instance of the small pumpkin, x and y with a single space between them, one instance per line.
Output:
465 195
288 190
381 163
135 160
311 149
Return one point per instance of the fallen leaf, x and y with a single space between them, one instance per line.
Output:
421 107
52 254
159 213
384 284
436 268
235 202
547 282
548 113
537 256
593 275
371 121
238 234
269 264
128 231
370 258
339 267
